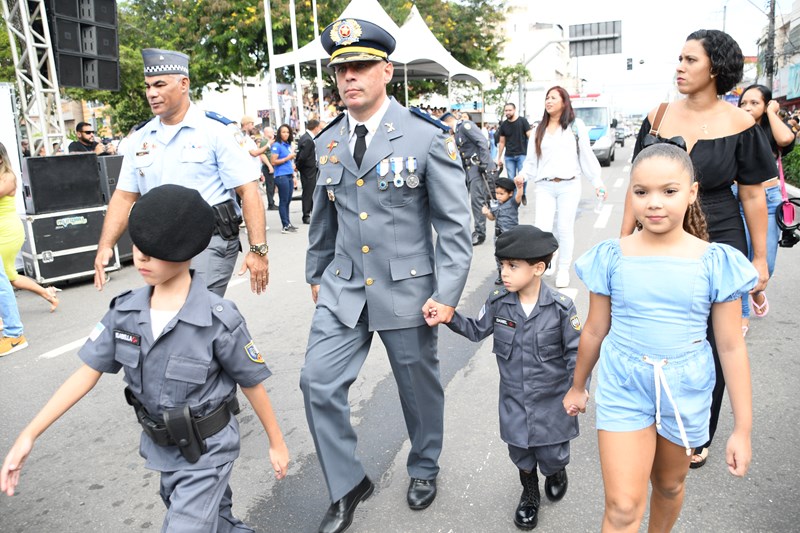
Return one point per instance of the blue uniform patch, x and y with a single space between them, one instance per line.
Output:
253 353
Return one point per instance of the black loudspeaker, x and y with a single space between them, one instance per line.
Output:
110 165
60 183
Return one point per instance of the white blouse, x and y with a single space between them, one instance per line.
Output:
561 158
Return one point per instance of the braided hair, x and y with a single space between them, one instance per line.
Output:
694 221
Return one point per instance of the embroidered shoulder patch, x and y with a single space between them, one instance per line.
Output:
575 322
253 353
450 144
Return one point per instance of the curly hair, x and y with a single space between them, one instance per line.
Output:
694 221
289 129
727 61
567 116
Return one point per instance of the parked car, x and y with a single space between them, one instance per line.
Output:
620 137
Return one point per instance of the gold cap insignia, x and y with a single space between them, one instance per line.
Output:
345 32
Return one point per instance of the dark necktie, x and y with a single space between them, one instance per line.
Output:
361 144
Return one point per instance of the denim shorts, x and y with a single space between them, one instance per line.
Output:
626 391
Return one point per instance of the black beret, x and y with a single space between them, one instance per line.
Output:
525 242
349 40
171 223
505 183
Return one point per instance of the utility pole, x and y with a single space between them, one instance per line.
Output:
770 56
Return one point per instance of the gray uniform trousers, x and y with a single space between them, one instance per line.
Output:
216 263
334 358
196 502
477 198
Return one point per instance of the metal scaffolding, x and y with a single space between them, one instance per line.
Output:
35 66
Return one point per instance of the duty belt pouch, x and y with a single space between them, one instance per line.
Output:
182 427
227 220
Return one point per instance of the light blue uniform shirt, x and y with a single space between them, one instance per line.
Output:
202 155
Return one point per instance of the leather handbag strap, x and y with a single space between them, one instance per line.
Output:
662 110
784 195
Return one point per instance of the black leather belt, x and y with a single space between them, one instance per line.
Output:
558 180
208 425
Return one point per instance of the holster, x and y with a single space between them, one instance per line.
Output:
227 220
182 427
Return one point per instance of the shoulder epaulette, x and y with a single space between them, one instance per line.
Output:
213 115
227 313
417 112
497 294
338 117
121 297
560 298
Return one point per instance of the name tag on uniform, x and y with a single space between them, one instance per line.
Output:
505 322
125 336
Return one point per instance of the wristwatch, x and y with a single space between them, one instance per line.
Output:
260 249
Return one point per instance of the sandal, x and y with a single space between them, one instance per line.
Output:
760 310
698 457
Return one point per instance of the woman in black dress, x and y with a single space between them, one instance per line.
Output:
725 145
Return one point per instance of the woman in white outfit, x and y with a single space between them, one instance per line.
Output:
558 155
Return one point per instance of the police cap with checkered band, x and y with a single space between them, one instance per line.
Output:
158 62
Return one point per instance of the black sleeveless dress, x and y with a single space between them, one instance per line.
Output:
744 157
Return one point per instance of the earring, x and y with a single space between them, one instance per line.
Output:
713 76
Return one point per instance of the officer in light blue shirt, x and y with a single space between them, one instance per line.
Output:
181 145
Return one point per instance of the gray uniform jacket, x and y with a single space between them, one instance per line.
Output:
199 358
536 356
471 142
375 247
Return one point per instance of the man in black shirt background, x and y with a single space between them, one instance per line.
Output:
513 135
86 142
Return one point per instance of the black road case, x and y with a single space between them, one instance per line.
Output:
61 246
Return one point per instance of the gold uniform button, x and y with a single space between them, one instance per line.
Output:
370 281
360 182
365 249
328 180
413 272
363 216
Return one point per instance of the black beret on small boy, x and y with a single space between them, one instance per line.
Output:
171 223
505 183
525 242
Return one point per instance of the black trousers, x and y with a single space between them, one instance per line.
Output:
308 180
269 185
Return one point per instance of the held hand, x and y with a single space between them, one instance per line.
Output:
259 271
575 401
763 275
485 210
9 474
499 164
519 181
279 457
101 260
738 454
314 292
436 313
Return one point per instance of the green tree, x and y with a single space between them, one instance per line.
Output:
6 61
508 79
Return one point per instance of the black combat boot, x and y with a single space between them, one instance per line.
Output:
555 486
527 514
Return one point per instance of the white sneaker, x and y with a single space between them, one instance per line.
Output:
562 279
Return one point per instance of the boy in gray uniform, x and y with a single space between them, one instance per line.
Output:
536 331
183 350
504 211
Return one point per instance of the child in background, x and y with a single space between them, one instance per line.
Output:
650 298
183 350
504 211
536 331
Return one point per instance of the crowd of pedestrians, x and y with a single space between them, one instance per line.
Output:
391 185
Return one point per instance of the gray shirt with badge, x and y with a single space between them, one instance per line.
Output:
199 358
536 357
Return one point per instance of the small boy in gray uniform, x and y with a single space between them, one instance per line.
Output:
536 331
504 211
183 350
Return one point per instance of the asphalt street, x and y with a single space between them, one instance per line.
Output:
85 473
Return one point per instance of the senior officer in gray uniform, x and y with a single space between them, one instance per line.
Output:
476 158
183 146
387 175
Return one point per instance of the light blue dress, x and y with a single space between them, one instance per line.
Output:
657 341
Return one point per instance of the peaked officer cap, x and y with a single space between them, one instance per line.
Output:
349 40
525 242
158 62
171 223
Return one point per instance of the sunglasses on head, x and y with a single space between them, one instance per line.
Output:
650 140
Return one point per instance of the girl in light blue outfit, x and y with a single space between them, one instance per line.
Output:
651 294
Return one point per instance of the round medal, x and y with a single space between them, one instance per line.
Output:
412 181
383 185
333 159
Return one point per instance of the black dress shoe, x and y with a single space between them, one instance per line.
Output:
527 514
421 493
477 239
306 220
340 514
555 486
272 208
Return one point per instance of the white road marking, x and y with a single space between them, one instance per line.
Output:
619 182
602 218
63 349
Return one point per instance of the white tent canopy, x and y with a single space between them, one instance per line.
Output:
417 51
